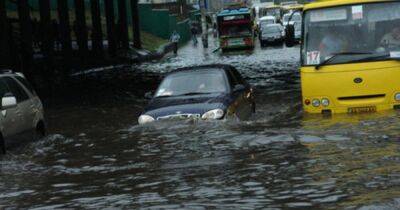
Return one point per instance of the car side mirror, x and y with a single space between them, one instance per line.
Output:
148 95
239 88
289 35
8 102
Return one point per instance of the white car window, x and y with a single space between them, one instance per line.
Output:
26 84
16 90
3 88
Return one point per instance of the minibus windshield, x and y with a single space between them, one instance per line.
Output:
371 30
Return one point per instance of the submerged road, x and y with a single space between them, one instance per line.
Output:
97 156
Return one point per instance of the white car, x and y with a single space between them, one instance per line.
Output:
21 111
272 33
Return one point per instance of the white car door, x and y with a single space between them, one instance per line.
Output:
9 118
35 111
24 110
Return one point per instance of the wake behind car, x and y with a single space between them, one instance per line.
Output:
211 92
21 112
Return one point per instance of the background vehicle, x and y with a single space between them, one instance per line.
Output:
207 92
266 20
296 21
273 10
296 18
236 29
292 8
21 115
272 33
346 67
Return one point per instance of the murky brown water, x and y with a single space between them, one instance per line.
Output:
96 155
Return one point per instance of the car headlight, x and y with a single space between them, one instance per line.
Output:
325 102
143 119
397 97
213 114
316 103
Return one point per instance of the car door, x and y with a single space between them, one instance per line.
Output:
24 110
35 105
9 118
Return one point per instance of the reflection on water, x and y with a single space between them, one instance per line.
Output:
98 156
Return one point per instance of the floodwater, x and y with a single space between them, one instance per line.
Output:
96 155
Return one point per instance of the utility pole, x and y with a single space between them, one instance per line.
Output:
110 22
4 33
137 43
25 24
203 8
123 25
183 7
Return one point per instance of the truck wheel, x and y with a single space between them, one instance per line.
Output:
2 146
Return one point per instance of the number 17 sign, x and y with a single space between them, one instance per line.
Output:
313 58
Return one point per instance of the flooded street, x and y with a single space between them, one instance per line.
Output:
97 156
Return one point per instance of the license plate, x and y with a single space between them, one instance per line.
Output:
234 42
367 109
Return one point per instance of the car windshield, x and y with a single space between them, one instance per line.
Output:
352 33
272 12
271 29
267 21
193 82
296 17
286 18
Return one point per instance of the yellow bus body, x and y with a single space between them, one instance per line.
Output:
380 83
351 87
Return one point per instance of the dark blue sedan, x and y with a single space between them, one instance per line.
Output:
211 92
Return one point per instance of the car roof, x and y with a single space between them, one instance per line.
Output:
267 18
6 71
9 72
